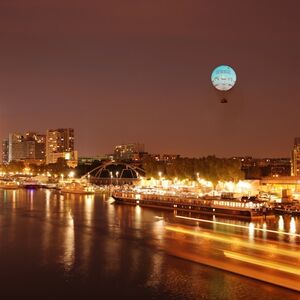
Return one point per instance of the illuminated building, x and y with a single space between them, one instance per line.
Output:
164 157
70 157
296 158
282 186
60 144
128 151
40 146
5 151
15 147
256 168
28 147
90 160
35 146
169 157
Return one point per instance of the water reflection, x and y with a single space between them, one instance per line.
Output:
31 199
292 225
14 198
137 216
214 219
251 231
89 208
4 196
293 229
281 223
280 227
69 245
156 271
88 205
46 237
48 194
264 232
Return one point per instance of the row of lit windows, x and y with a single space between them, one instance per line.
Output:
203 202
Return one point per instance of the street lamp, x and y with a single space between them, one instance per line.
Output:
198 179
159 174
117 176
111 177
71 174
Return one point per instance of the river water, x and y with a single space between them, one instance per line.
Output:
55 246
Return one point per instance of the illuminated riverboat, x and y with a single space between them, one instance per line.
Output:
77 188
287 209
211 205
9 185
31 184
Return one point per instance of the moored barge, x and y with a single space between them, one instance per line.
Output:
77 188
9 185
286 209
215 206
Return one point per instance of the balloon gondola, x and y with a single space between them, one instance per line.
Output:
223 100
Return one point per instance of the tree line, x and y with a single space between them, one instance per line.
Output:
210 168
60 167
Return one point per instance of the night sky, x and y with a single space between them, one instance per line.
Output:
139 71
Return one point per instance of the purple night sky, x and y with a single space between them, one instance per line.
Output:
139 71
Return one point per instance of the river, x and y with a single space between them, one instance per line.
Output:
55 246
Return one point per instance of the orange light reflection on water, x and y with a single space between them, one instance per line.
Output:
260 261
250 227
268 247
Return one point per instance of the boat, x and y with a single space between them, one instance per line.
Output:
9 185
214 206
77 188
49 185
31 184
287 209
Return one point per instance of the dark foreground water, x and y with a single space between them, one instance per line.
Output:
85 247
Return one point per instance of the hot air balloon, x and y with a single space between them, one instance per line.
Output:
223 79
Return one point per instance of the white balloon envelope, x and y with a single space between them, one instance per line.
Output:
223 78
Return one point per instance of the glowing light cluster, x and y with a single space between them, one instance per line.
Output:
200 186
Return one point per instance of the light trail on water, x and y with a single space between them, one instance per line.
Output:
263 262
265 265
238 242
239 226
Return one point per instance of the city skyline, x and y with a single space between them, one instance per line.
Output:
120 73
145 150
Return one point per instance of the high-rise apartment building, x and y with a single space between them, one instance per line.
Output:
296 158
40 146
29 146
60 144
15 147
34 146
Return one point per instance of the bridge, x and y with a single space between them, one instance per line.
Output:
115 173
